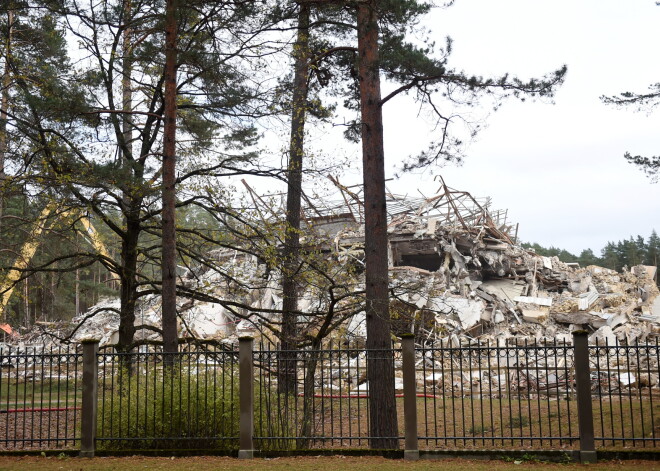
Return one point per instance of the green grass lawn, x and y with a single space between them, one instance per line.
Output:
33 393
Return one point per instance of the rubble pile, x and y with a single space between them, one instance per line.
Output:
511 292
457 274
452 258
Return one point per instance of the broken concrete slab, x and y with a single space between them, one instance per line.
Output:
580 318
468 311
505 288
613 320
534 300
651 271
603 336
655 307
585 300
537 316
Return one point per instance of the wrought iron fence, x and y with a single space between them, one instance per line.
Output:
625 387
40 398
488 395
146 404
483 395
327 406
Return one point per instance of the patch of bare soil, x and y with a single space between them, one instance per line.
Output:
339 462
39 430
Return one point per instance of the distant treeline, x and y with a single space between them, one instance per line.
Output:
615 255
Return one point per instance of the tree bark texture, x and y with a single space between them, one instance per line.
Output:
380 361
4 108
128 279
168 269
307 422
291 251
129 250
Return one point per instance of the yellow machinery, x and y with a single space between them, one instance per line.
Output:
30 247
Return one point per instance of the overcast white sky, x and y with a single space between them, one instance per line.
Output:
559 169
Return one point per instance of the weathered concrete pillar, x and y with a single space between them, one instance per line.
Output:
411 450
583 385
246 397
89 398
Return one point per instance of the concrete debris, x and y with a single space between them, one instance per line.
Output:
505 289
535 315
603 336
533 300
626 379
585 300
467 311
457 274
655 307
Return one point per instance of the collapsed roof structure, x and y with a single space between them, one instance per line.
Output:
457 273
476 281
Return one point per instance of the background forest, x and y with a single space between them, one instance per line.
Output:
615 255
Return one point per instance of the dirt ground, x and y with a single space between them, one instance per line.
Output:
39 430
24 463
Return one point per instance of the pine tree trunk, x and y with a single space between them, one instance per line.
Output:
380 361
168 270
291 252
307 421
4 108
51 315
42 296
98 285
129 250
128 278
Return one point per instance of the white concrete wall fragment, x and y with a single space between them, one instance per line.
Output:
534 300
209 321
585 300
468 311
537 316
602 336
357 326
655 307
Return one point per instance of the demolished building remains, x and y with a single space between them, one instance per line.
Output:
457 274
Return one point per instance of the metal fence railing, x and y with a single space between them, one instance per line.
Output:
485 395
143 404
534 396
40 398
626 394
326 407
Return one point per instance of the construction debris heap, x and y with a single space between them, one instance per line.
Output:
457 274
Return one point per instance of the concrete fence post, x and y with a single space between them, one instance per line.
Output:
411 451
246 397
584 403
89 398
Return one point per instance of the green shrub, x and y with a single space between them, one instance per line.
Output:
191 408
184 409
